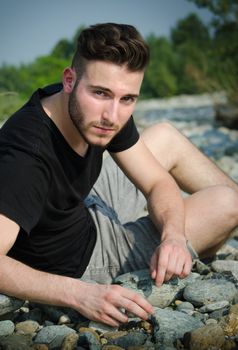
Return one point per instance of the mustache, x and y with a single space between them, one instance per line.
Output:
105 124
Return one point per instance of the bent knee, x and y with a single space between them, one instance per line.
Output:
162 128
229 198
159 138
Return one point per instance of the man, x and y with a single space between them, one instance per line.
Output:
50 158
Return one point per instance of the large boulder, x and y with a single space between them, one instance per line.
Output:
227 115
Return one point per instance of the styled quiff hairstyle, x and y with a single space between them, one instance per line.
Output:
116 43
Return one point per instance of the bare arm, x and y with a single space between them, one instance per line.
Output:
96 302
166 208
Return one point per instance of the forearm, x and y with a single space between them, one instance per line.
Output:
166 208
171 258
24 282
98 302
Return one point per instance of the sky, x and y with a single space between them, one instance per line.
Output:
31 28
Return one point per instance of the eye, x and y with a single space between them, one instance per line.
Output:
129 99
99 93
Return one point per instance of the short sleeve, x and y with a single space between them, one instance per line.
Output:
125 139
24 184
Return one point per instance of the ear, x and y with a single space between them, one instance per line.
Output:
69 79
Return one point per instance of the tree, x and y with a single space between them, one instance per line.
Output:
160 80
190 30
191 41
43 71
225 10
63 49
225 43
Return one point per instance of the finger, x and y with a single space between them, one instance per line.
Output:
136 304
160 273
153 266
179 267
174 267
118 315
108 320
162 266
186 269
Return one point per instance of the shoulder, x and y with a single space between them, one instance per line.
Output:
126 138
28 129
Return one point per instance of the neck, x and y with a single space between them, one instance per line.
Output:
56 107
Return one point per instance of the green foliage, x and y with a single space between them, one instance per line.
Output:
191 42
224 53
225 10
190 30
63 49
195 58
9 103
43 71
159 79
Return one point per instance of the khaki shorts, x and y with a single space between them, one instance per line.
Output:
126 236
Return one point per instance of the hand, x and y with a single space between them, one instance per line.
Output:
171 258
103 303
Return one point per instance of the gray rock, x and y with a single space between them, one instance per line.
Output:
218 314
16 342
9 304
133 277
52 336
185 306
226 265
208 291
201 317
6 328
232 242
214 306
201 268
130 339
102 328
165 295
89 340
161 297
172 325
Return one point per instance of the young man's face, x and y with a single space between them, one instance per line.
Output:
103 100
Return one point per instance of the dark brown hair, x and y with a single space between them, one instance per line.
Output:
117 43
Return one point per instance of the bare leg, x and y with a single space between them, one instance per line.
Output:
212 208
211 216
191 169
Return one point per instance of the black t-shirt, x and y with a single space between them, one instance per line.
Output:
43 183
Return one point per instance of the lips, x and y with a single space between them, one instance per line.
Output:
104 130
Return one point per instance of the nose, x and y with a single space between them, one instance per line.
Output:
111 111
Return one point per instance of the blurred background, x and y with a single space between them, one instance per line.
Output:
192 79
194 44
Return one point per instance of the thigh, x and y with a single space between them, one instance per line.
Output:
210 216
116 192
120 248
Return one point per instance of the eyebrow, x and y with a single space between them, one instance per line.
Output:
108 90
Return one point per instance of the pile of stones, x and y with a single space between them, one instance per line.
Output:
199 312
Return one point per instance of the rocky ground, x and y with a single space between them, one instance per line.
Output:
198 313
